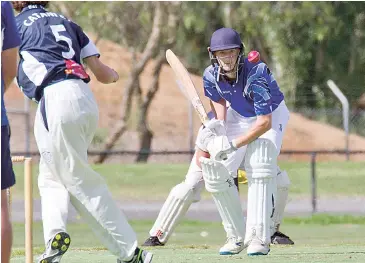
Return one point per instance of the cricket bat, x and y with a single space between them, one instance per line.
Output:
186 85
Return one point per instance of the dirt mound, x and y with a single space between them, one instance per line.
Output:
168 116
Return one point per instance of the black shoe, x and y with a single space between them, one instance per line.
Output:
153 242
140 256
279 238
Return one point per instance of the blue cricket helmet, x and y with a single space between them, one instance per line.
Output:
225 38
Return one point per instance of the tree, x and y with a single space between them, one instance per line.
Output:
138 62
144 102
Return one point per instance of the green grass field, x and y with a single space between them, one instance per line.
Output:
130 181
320 239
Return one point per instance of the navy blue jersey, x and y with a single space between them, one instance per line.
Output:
254 93
52 50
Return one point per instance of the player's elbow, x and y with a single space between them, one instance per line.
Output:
265 122
103 78
103 73
9 58
267 125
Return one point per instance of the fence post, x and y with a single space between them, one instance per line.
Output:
345 112
314 182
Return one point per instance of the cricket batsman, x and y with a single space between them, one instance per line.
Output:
258 114
50 72
254 95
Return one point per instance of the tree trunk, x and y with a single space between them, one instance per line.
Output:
227 13
264 52
145 134
121 125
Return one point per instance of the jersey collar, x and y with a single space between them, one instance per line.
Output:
32 7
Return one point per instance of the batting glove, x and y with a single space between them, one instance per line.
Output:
219 147
208 132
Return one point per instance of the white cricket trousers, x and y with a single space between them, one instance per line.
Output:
238 125
64 173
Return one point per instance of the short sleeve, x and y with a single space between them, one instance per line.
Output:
87 47
9 32
261 99
209 84
257 88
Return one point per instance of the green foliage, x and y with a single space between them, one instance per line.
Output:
305 43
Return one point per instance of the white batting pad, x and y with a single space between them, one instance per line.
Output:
283 183
225 195
174 208
261 168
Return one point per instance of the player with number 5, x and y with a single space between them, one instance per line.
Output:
50 72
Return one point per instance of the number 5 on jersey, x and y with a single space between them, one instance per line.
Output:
56 29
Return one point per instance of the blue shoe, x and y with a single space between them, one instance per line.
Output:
57 246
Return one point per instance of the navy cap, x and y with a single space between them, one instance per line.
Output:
225 38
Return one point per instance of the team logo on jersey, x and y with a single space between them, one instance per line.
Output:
75 69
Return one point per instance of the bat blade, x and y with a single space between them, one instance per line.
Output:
186 85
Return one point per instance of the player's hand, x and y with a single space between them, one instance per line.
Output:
219 147
208 132
216 126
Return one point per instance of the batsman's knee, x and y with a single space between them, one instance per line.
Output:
216 176
182 192
261 159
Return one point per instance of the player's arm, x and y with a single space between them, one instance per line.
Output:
10 43
9 58
260 93
217 103
90 56
218 106
262 125
102 72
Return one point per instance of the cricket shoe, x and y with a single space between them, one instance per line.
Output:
279 238
140 256
153 241
56 247
232 246
257 248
